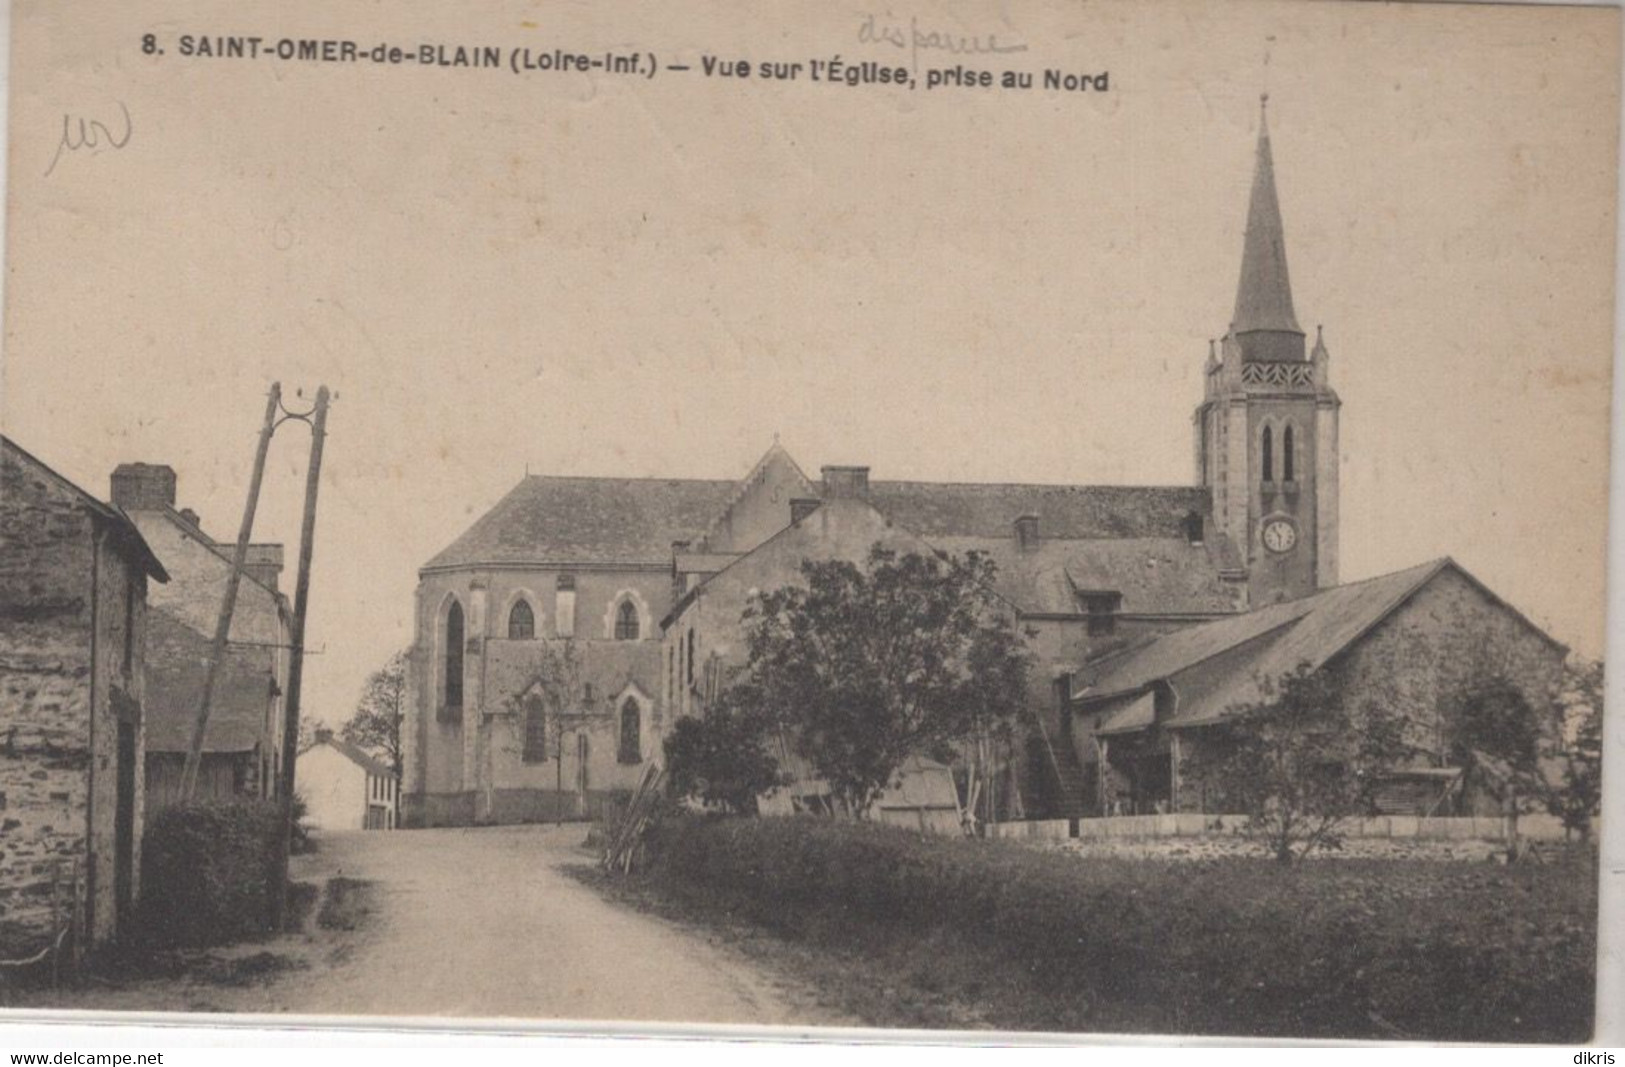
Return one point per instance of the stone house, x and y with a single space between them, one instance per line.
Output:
1416 642
345 788
74 579
242 745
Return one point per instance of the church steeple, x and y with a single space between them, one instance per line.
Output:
1266 430
1264 321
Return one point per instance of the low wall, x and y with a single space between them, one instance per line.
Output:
1404 827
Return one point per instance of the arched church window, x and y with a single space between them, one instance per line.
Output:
631 748
521 621
454 657
535 749
1269 455
1286 455
626 622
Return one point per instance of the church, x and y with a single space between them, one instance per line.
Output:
1150 610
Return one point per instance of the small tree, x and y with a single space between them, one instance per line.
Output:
869 665
376 723
555 676
1298 763
725 755
1574 746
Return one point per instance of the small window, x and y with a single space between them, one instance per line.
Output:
1286 455
626 622
631 749
521 622
1101 608
535 748
1269 455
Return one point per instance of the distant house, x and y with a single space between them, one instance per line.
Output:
1415 641
242 746
74 576
345 788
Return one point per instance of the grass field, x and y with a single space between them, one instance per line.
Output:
902 930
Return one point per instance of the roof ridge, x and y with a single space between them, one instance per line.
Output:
1033 485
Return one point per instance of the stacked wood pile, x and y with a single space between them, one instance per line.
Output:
625 839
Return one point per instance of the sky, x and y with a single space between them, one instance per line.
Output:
571 273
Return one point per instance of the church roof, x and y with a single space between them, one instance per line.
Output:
1154 575
1264 293
575 520
964 509
567 520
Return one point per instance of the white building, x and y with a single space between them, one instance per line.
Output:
345 788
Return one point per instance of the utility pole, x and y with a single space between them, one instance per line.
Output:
222 628
296 668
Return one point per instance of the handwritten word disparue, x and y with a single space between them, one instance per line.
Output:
911 37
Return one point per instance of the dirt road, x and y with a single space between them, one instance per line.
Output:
485 923
469 923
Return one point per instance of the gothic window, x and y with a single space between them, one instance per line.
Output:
1269 456
631 750
535 749
581 763
521 621
453 661
626 622
1286 455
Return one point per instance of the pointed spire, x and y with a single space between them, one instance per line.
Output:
1264 295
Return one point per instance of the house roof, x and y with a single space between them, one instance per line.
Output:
1267 643
222 552
567 520
125 532
355 754
177 663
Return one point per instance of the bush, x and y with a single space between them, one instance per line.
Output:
208 873
1340 948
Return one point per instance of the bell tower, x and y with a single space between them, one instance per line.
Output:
1266 430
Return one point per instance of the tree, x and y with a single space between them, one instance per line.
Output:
1574 748
725 755
376 724
553 677
865 666
1298 762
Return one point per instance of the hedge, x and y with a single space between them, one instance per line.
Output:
1334 948
208 872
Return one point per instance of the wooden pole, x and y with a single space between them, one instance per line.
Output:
228 603
296 667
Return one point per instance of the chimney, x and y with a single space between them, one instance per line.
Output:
846 482
801 507
144 486
1027 532
264 563
323 735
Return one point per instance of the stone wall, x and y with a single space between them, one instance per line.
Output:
71 617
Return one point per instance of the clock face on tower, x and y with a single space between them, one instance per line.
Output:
1280 535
